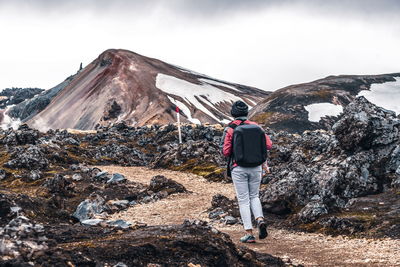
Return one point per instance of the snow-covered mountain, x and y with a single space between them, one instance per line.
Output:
124 86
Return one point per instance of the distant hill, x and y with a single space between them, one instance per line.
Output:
295 107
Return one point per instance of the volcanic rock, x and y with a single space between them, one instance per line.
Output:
13 96
161 183
116 178
30 157
180 245
368 127
24 135
224 209
319 175
312 211
59 185
90 208
3 175
22 237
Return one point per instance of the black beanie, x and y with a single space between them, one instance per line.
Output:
239 109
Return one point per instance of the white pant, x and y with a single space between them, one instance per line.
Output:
247 185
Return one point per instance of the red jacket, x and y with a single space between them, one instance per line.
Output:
228 135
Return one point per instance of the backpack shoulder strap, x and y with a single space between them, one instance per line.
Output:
233 125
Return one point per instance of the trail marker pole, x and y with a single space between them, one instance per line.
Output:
179 124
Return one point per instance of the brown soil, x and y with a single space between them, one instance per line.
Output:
308 249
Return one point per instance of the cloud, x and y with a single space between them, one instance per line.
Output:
210 7
267 44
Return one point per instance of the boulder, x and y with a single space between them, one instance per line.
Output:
116 178
90 207
224 209
161 183
59 185
312 211
364 125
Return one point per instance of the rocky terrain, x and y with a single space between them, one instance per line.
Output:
10 97
14 96
121 85
56 206
286 108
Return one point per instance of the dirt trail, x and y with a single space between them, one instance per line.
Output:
301 248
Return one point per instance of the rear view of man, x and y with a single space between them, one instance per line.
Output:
246 145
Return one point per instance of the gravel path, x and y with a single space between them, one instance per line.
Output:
301 248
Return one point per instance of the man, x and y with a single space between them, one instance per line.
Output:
246 179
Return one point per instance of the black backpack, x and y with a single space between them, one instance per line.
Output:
249 147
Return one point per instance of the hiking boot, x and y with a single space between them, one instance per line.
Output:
248 239
262 229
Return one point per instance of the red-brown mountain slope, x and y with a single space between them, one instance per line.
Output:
124 86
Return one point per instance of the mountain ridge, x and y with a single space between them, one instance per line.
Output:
123 85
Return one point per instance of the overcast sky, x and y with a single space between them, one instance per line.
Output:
267 44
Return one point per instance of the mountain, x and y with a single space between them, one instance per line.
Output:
124 86
299 107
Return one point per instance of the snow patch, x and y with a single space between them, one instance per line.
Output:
218 83
190 92
385 95
319 110
252 102
184 109
132 67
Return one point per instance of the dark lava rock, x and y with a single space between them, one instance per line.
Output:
35 175
224 209
31 157
3 174
364 125
22 238
230 220
15 96
116 178
90 207
5 209
161 183
342 225
319 173
121 154
77 177
312 211
180 245
59 185
24 135
101 176
119 224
